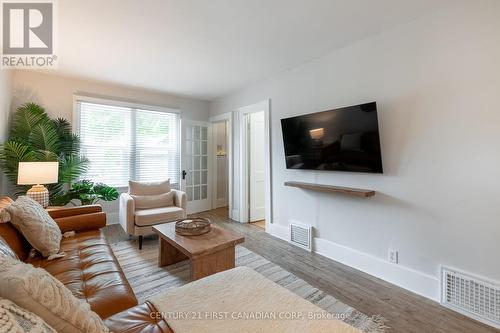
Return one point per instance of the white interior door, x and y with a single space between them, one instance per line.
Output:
256 181
195 165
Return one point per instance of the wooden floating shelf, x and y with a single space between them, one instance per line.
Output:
358 192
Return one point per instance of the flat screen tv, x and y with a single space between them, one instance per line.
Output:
345 139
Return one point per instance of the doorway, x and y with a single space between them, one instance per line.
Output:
221 165
221 176
255 166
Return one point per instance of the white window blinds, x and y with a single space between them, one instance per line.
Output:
127 143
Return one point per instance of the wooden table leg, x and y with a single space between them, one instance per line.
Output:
169 254
212 263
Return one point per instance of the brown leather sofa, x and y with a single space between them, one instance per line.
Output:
90 269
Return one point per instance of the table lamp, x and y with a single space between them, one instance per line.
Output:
38 174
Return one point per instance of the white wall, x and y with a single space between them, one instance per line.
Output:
437 83
5 100
55 94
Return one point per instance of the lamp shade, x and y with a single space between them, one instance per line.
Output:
30 173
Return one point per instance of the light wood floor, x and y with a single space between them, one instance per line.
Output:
406 312
259 224
224 212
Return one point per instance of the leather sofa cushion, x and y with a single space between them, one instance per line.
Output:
146 217
144 188
139 319
91 272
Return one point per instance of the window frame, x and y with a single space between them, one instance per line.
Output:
117 102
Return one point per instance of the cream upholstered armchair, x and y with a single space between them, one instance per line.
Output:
149 204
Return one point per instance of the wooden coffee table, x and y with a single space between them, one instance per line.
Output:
208 254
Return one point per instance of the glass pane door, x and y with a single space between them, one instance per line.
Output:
196 165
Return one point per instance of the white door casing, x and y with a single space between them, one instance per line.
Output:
195 165
243 195
256 164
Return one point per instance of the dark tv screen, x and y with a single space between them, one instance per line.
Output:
344 139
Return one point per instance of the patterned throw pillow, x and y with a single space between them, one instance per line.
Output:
36 225
5 249
14 319
35 290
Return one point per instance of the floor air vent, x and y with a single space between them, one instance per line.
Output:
471 296
301 235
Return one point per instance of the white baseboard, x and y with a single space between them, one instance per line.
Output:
235 215
404 277
277 230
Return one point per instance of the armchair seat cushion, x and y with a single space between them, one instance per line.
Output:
147 217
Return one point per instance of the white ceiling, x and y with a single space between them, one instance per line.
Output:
208 48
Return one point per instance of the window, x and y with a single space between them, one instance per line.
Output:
128 143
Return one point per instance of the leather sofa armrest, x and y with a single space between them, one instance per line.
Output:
79 218
73 211
139 319
127 213
82 222
180 199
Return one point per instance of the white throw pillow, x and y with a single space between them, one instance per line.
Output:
36 225
153 201
14 319
145 188
35 290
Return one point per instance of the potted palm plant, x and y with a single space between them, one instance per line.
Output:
35 137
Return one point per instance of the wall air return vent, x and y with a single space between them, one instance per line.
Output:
471 296
301 236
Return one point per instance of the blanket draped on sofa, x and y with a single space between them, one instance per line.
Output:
241 300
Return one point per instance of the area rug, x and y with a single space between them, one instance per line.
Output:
147 279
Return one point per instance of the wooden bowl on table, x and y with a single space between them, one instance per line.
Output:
194 226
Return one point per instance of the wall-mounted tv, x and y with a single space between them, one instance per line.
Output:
344 139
